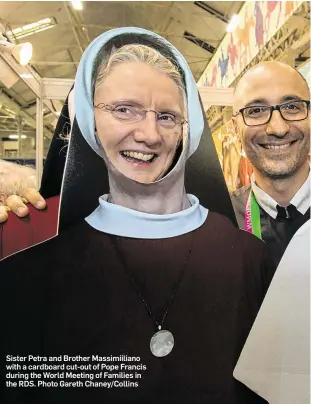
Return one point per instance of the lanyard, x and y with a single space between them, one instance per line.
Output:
252 216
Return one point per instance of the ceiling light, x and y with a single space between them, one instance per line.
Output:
26 76
30 29
76 4
16 136
234 22
22 52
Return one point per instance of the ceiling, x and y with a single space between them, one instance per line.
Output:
74 30
57 51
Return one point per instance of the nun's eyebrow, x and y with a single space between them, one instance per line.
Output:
135 103
127 101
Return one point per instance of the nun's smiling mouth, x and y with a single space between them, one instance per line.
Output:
138 157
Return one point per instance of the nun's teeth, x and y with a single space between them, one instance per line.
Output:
138 156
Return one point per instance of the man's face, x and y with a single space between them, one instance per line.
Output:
279 148
144 150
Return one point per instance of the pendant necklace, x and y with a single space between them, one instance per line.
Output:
162 341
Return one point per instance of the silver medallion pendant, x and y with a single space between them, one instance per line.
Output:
162 343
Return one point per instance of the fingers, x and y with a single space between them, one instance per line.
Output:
32 196
3 213
16 204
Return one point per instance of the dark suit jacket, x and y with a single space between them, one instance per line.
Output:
276 233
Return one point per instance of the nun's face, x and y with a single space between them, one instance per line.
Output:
143 150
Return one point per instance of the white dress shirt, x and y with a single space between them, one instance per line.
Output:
301 199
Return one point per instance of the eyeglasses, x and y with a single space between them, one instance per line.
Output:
260 114
131 114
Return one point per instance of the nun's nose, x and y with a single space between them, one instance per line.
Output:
148 130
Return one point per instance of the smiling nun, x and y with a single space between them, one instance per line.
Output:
151 282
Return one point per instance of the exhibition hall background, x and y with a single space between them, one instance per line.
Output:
220 41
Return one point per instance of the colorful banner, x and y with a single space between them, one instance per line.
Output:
236 167
259 21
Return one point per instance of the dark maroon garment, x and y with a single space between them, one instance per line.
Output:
71 295
16 233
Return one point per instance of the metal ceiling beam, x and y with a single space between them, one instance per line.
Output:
216 96
13 131
75 32
209 95
26 73
43 63
18 111
78 29
202 44
104 28
56 89
211 11
29 76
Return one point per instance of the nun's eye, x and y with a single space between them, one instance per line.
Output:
126 112
166 119
164 116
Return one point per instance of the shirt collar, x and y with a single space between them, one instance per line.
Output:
120 221
301 199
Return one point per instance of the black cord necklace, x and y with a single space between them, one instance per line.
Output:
162 342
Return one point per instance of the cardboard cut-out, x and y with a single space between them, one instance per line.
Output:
275 361
203 176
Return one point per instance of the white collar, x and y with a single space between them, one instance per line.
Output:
120 221
301 199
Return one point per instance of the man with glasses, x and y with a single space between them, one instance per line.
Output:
271 116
